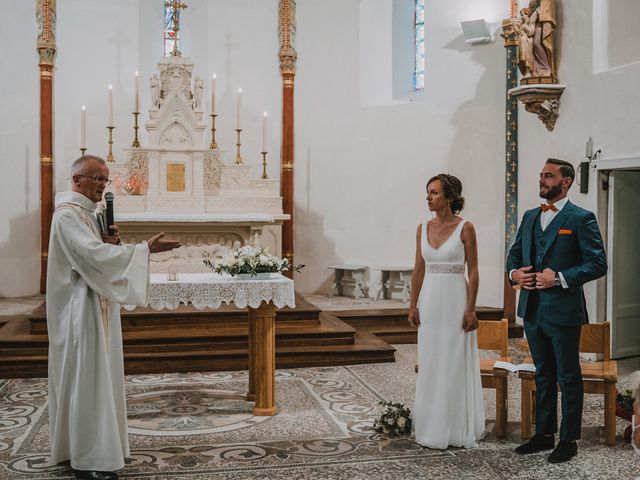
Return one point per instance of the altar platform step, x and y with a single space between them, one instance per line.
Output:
188 339
392 324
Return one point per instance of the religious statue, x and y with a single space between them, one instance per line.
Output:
535 41
525 42
154 86
198 89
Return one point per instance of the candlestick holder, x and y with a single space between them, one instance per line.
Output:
110 142
264 166
214 145
82 150
136 142
238 156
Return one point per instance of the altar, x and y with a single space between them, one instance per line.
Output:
260 296
181 184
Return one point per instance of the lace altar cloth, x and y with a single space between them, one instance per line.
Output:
204 290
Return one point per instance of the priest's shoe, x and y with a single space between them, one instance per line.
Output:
563 452
536 444
92 475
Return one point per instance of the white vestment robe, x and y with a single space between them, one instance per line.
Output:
87 280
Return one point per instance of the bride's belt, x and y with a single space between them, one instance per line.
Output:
455 268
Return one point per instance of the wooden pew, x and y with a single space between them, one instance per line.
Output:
493 335
598 377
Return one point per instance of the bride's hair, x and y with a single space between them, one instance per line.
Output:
452 187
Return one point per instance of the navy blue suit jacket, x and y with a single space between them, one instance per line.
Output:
573 247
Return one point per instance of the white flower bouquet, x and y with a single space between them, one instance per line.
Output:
250 260
394 420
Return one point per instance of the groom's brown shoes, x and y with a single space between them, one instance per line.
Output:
536 444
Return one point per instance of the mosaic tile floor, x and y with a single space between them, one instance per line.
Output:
196 426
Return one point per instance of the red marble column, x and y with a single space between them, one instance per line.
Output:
46 18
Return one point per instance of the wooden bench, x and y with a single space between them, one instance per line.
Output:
493 335
597 377
355 279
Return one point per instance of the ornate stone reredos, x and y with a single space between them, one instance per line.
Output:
175 122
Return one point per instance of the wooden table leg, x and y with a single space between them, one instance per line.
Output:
264 355
251 394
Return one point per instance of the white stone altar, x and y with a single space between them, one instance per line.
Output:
178 185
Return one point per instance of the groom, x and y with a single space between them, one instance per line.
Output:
558 248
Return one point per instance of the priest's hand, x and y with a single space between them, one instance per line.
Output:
156 245
112 235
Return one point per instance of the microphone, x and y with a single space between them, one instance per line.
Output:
108 198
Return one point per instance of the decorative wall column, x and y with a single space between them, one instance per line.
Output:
510 28
46 20
288 58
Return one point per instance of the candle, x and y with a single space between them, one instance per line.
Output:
83 127
110 107
238 109
514 8
136 95
264 132
213 94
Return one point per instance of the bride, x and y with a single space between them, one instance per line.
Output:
448 406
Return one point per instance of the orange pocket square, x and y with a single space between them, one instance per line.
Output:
564 232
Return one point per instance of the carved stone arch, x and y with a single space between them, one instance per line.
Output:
177 136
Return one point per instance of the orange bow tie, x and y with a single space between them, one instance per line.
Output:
548 206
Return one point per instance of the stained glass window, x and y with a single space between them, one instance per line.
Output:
169 34
418 73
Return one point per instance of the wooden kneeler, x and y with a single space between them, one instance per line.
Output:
597 377
494 335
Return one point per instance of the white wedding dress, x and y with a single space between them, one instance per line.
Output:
448 408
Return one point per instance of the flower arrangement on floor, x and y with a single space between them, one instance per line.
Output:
624 404
394 420
250 260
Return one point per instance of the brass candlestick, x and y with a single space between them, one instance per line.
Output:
238 156
110 142
264 166
135 143
82 150
214 145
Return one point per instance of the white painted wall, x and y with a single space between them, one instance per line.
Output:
360 165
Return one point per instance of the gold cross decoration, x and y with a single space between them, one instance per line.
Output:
177 6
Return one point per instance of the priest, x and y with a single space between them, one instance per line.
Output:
90 273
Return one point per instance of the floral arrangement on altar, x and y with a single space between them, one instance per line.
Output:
394 420
251 261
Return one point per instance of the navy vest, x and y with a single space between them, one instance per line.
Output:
537 245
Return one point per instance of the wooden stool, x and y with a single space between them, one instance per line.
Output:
355 279
394 278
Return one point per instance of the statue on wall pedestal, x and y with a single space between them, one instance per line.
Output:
536 43
533 33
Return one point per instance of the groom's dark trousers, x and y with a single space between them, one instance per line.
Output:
572 246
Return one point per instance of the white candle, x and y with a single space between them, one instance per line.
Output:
83 127
136 94
238 109
213 94
264 132
110 107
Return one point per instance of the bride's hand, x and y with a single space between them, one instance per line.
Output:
469 321
414 317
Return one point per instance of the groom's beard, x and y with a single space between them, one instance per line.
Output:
552 192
